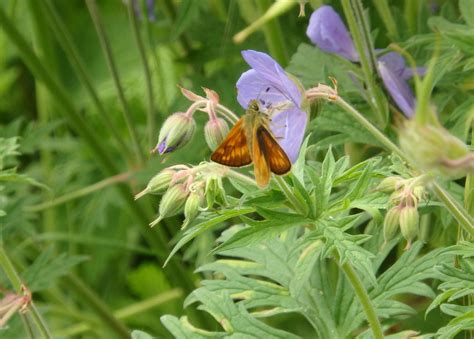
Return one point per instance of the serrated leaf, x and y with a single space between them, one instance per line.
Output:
275 223
49 267
204 226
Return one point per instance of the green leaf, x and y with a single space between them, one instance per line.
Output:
188 12
137 334
49 267
204 226
275 223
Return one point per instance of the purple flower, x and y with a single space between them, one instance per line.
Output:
269 83
394 74
328 32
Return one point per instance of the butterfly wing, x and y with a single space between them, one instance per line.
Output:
234 150
268 156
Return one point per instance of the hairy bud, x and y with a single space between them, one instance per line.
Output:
176 131
391 223
158 184
215 131
192 206
172 202
432 147
409 220
390 184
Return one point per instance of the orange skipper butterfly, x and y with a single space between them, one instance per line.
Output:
250 140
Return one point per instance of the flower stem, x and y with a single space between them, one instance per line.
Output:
80 192
364 299
360 33
273 34
286 189
146 70
457 211
127 115
14 277
384 11
227 113
369 126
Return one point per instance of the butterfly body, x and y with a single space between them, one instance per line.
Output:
250 140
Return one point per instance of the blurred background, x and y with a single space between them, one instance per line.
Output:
84 88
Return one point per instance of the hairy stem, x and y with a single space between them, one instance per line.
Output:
359 29
364 300
286 189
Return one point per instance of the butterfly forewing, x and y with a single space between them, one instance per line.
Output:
234 150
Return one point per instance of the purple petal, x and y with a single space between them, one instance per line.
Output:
288 127
150 8
327 30
396 63
397 87
161 146
252 86
273 73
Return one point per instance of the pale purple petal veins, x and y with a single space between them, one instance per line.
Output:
398 88
274 74
288 127
252 86
327 30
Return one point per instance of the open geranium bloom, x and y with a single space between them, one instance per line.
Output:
269 83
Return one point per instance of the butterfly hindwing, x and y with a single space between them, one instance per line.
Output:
234 150
276 157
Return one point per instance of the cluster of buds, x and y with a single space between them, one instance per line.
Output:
403 215
179 128
12 303
187 189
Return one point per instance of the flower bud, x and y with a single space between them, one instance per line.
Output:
389 184
391 223
192 205
172 202
176 131
409 220
158 184
215 131
215 192
432 147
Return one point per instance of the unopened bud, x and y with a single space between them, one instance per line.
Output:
409 220
192 206
389 184
215 131
176 131
391 223
432 147
158 184
172 202
215 192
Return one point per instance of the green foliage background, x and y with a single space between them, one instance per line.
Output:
257 267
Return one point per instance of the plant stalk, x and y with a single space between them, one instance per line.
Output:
146 71
364 299
104 42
